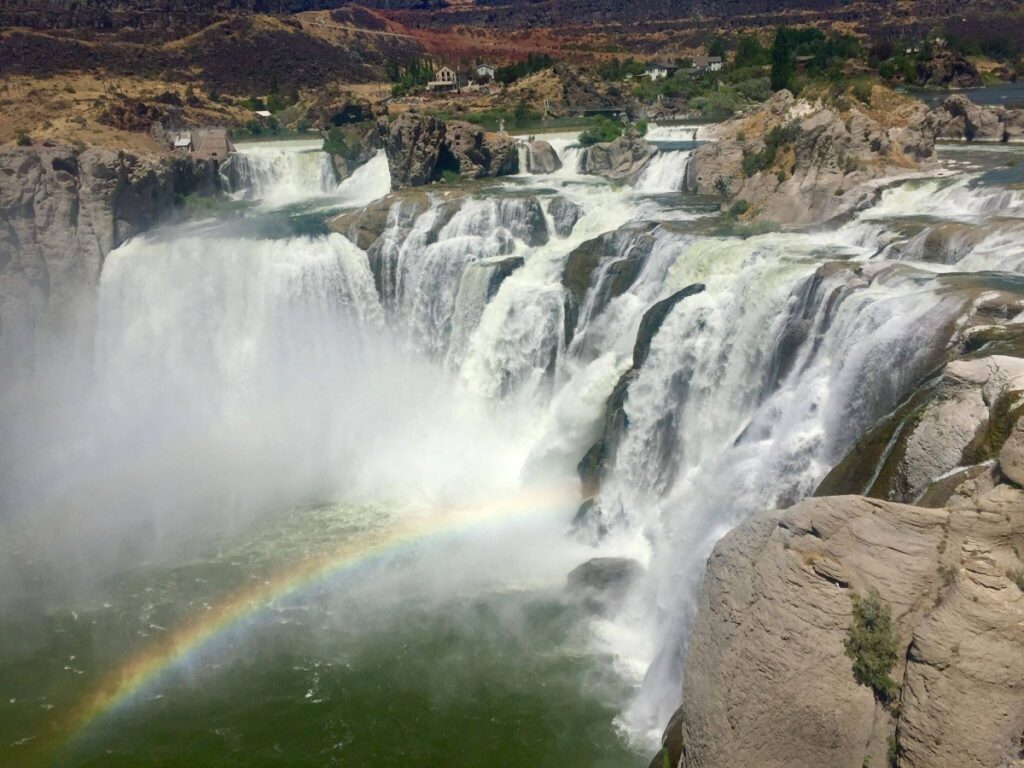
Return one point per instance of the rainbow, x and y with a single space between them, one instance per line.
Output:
179 644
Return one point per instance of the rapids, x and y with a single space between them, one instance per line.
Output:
263 386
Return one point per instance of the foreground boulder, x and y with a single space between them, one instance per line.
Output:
421 149
768 679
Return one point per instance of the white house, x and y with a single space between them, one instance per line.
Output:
484 72
657 70
708 63
445 79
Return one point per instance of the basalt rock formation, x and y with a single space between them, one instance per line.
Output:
618 160
61 212
959 118
794 162
421 149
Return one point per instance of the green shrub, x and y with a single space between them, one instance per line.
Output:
603 130
449 176
872 645
739 208
21 138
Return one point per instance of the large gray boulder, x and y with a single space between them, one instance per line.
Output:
958 118
618 160
541 157
413 147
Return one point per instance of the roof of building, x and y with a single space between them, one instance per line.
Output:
183 141
660 65
263 113
703 61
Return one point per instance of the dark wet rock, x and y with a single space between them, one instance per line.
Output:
654 318
352 145
501 271
565 214
626 249
365 225
603 582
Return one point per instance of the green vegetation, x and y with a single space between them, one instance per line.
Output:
774 140
21 138
812 51
209 206
872 645
449 176
334 142
409 75
532 63
603 130
739 208
615 70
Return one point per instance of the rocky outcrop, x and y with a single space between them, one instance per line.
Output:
796 162
564 214
768 679
421 149
958 118
541 157
351 145
948 70
959 419
618 160
602 583
61 213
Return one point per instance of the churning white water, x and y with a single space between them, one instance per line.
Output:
665 172
470 352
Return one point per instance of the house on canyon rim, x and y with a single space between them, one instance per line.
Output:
445 79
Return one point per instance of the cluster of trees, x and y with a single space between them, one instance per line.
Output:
821 54
534 62
409 75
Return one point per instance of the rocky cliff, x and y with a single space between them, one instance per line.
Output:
422 149
61 212
772 675
796 162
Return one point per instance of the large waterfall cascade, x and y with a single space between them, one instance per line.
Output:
454 361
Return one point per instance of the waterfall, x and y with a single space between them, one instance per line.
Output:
474 348
672 133
280 172
665 172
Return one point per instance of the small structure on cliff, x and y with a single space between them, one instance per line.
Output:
212 144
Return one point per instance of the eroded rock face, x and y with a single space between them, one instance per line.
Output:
948 70
794 162
565 214
767 679
958 420
959 118
618 160
61 213
421 148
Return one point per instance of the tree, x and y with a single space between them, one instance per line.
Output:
750 53
783 58
716 47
